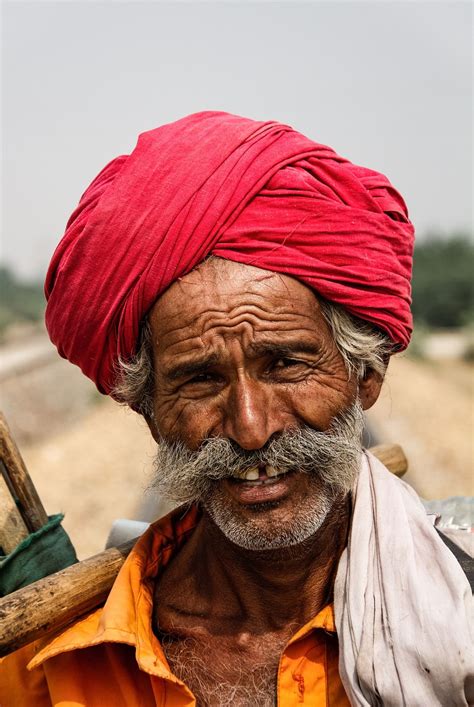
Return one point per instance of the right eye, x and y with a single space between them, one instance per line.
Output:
202 378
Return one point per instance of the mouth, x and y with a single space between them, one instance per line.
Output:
258 475
260 484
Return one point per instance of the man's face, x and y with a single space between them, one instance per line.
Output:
244 354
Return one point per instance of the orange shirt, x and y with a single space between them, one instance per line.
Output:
112 657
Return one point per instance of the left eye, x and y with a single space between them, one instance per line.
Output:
286 363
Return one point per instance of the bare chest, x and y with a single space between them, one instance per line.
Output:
223 670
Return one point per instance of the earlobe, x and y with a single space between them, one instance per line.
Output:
369 388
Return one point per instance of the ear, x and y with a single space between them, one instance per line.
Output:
369 388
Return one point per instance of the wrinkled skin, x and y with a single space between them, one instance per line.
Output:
244 353
230 358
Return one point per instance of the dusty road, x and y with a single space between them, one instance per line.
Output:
94 464
94 471
428 408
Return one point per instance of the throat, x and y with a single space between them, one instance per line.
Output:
288 584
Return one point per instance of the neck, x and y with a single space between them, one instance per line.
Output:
274 589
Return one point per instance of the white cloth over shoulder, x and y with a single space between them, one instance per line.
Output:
402 603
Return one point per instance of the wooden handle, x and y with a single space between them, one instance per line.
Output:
29 502
12 528
54 602
392 456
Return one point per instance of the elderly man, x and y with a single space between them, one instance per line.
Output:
243 287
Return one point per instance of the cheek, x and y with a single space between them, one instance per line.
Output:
317 401
185 420
314 402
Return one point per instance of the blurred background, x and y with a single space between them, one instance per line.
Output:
386 84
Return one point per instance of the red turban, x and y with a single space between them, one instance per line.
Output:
254 192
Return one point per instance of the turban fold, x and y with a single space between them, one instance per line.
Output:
258 193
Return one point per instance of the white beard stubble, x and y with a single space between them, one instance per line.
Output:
331 459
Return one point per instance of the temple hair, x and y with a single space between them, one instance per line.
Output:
135 378
362 346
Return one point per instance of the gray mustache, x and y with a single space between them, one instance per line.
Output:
304 449
185 475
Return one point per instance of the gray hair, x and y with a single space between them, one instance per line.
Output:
362 346
135 378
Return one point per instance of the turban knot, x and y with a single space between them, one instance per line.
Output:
258 193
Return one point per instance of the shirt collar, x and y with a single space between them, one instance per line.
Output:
126 616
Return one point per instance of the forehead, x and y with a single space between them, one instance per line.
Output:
223 298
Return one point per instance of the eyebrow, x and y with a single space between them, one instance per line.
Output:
202 365
191 368
290 348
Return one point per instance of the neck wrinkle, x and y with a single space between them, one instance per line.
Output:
273 587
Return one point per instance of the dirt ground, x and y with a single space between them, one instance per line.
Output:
427 407
95 468
95 471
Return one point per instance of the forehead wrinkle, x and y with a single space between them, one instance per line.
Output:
223 309
248 327
227 316
239 315
251 342
180 300
194 345
223 284
187 319
245 321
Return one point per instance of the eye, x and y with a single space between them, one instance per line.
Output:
202 378
286 369
287 363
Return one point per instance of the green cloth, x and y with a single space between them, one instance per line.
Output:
44 552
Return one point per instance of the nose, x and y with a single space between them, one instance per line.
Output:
252 414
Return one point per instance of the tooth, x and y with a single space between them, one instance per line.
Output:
240 474
251 474
271 471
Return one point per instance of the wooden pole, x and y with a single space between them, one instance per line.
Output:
29 502
12 528
54 602
392 456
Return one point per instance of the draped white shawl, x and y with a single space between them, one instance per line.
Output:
402 603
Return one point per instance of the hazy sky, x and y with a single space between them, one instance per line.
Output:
386 84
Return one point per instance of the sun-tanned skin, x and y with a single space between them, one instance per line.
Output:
243 353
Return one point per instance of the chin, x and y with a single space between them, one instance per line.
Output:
273 525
